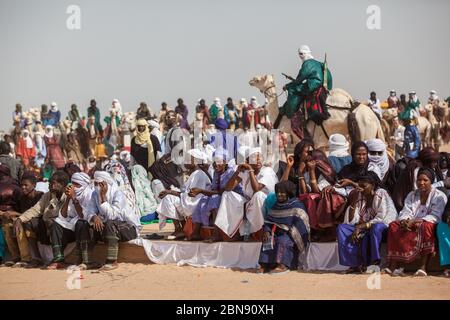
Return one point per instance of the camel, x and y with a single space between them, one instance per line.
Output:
437 114
423 125
340 105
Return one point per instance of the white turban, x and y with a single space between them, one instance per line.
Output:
28 140
243 151
84 192
49 131
153 124
338 145
125 156
252 151
104 177
198 154
54 106
306 51
381 161
220 155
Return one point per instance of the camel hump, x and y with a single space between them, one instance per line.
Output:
339 98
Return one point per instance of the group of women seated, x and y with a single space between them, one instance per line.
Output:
360 199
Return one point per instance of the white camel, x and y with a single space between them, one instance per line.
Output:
340 105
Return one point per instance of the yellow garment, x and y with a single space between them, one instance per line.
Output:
144 138
100 151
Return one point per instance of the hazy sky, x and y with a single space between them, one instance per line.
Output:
158 51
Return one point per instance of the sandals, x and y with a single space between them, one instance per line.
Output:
10 263
57 266
179 236
420 273
399 273
20 264
109 267
354 270
387 271
89 266
278 271
153 236
34 264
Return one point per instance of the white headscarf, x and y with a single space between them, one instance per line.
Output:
118 108
413 95
49 131
125 156
252 151
218 103
338 145
84 193
28 140
433 95
199 155
103 176
54 107
306 51
153 124
382 162
39 141
254 102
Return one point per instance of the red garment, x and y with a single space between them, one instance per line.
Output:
25 153
406 246
248 118
322 211
54 152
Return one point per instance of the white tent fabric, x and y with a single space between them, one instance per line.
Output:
323 257
242 255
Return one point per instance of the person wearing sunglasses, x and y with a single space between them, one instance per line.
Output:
378 156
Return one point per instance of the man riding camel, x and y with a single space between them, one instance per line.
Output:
310 87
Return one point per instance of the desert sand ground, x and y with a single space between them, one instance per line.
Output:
150 281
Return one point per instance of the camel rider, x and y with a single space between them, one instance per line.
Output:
411 108
393 101
433 99
411 142
307 87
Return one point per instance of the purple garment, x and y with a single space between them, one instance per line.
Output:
284 252
206 204
364 254
183 111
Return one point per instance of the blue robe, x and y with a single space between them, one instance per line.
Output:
206 204
288 224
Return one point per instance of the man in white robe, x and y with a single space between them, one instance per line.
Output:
177 204
244 212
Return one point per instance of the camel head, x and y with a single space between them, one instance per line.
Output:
390 114
262 82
